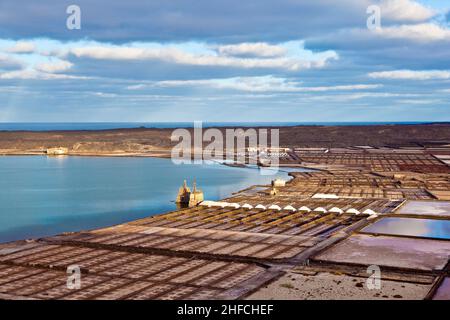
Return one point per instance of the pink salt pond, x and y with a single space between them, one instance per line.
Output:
398 252
443 292
429 208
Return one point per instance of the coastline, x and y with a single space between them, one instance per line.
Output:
295 273
154 142
307 240
90 154
139 181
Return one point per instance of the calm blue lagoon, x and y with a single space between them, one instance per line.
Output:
41 196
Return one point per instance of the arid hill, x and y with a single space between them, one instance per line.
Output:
142 140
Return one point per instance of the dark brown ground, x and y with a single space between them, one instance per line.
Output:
142 140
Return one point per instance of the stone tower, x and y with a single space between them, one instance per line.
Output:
188 198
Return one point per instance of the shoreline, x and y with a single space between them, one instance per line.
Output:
90 154
305 239
251 184
284 167
157 142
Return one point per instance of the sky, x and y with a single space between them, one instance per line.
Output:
225 60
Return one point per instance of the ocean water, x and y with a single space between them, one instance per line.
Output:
41 196
49 126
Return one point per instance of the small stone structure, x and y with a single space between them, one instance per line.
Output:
278 183
57 151
188 198
273 191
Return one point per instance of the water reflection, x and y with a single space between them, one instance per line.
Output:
430 228
47 195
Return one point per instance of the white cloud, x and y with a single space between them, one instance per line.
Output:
258 49
48 70
22 47
136 87
405 10
254 84
424 32
419 101
420 34
6 61
30 74
54 67
411 75
343 87
104 94
180 56
359 96
350 97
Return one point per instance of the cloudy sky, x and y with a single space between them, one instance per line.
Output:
225 60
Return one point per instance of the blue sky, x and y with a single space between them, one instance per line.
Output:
253 60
